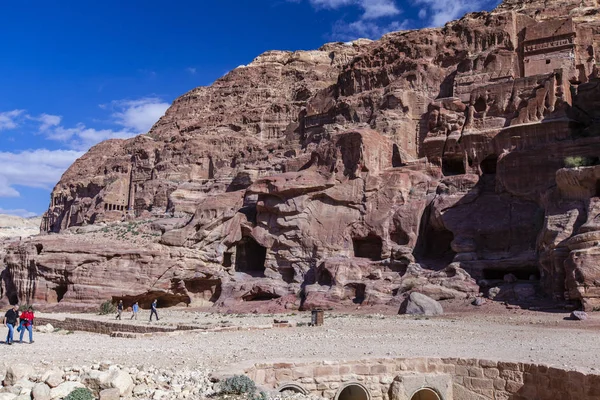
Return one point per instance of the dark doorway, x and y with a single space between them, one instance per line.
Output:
369 247
250 257
488 166
453 166
357 291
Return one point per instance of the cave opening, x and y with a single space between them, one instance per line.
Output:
206 289
524 273
258 294
250 257
489 165
287 274
357 291
400 238
324 277
61 289
227 259
453 166
369 247
480 105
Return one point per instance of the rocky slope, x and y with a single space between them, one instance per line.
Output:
446 161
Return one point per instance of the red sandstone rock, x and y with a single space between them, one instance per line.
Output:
426 160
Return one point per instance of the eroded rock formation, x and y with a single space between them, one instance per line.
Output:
430 161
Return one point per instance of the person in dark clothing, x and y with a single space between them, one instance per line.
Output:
119 309
153 310
10 320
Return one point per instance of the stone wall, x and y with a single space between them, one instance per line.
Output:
471 379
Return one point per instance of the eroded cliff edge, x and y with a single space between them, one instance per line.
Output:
437 160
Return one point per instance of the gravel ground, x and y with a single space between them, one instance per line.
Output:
492 333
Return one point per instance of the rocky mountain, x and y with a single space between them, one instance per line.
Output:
446 161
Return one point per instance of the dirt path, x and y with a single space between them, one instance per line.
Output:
513 336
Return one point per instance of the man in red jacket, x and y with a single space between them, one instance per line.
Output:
27 320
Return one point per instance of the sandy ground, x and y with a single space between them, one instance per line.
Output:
511 335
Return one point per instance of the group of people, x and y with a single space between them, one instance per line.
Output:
24 320
135 309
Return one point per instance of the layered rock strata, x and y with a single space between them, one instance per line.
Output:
438 160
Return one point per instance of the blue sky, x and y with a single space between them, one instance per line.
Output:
82 72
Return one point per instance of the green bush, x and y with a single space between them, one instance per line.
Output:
238 384
24 307
578 161
80 394
107 308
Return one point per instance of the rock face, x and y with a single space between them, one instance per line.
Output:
433 161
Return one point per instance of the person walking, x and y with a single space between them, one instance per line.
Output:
10 320
119 309
27 324
153 310
135 310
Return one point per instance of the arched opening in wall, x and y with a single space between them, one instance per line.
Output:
211 169
353 391
425 394
480 105
250 257
39 247
293 388
369 247
488 165
356 291
453 166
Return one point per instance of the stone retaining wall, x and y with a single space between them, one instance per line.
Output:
472 379
108 328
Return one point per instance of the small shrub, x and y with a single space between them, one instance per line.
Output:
80 394
578 161
238 384
107 308
260 396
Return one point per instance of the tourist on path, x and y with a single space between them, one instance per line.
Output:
119 309
153 310
135 310
10 320
27 324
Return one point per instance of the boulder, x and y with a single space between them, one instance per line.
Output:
110 394
41 391
419 304
7 396
53 378
579 315
63 390
478 301
48 328
121 380
16 372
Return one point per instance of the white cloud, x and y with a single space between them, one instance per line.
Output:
48 121
139 115
9 119
191 70
440 13
134 117
365 29
369 25
39 168
19 212
372 9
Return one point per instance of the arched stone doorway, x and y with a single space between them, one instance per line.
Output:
425 394
353 391
292 387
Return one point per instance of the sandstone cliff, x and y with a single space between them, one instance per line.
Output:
446 161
